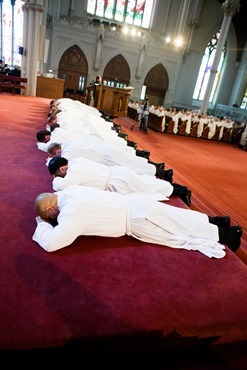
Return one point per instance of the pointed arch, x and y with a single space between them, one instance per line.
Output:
117 71
157 82
73 68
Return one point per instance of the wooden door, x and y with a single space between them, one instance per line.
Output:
73 69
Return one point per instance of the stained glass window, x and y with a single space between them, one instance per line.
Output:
133 12
206 65
11 31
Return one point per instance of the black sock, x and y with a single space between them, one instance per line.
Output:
176 191
210 219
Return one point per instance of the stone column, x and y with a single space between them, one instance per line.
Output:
241 79
229 8
31 43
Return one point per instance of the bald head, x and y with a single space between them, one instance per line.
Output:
46 205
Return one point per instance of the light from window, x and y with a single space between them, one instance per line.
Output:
143 92
109 9
244 101
12 35
204 72
132 12
81 83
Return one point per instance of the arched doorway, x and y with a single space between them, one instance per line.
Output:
73 68
117 72
157 83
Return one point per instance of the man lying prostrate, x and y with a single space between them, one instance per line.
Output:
60 135
78 127
45 137
120 179
80 210
67 103
69 113
108 154
68 119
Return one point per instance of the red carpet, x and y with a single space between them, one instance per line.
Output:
105 293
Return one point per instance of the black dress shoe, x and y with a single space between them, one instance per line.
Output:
160 165
183 193
233 238
164 174
167 175
116 127
131 143
221 221
124 135
108 119
143 153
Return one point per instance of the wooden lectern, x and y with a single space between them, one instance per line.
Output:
112 100
47 87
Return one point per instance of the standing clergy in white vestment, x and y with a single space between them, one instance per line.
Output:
120 179
187 117
203 122
212 127
243 139
81 210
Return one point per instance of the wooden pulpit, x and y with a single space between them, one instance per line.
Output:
112 100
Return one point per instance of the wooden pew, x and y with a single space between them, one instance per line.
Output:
182 128
205 132
217 134
194 129
170 127
168 119
132 113
156 122
13 83
20 83
7 83
227 135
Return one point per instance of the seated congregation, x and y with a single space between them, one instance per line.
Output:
189 123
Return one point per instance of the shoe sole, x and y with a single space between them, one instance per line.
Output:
236 233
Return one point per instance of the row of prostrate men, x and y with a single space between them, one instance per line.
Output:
85 147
